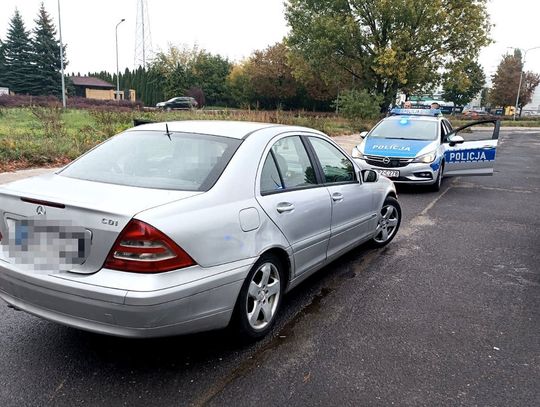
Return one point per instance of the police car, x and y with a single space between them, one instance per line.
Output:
419 146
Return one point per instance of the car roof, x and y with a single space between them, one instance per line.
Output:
233 129
414 118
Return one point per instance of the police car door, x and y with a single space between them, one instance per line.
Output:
470 150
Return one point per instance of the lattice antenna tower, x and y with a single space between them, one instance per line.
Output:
143 37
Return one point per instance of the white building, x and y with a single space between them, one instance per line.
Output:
534 106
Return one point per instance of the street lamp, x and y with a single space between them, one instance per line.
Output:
62 58
117 72
521 78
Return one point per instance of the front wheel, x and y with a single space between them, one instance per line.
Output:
388 222
436 187
260 298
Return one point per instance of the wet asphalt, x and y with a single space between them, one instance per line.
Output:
447 314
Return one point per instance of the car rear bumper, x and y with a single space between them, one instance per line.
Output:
199 305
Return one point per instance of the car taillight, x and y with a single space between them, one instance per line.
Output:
142 248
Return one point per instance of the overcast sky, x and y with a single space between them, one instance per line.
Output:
232 28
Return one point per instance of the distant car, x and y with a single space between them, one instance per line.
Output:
476 114
186 227
419 146
182 102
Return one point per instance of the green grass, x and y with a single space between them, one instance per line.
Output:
32 137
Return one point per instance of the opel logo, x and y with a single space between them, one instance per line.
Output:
40 210
386 160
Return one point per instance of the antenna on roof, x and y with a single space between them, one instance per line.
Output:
168 133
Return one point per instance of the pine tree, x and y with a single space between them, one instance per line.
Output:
18 57
2 65
46 56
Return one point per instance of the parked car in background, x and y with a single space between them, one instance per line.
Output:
182 102
187 226
476 114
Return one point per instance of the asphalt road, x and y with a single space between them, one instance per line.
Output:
448 314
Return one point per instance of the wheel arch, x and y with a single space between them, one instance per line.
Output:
285 259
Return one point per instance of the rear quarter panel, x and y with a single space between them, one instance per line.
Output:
208 226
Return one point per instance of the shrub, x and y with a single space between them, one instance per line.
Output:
50 120
358 105
72 102
110 122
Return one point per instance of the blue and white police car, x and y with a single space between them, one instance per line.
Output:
419 146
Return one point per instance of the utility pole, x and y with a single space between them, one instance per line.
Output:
62 58
117 70
521 78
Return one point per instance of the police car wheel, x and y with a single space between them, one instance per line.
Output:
436 187
388 222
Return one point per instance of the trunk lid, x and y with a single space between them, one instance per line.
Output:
62 213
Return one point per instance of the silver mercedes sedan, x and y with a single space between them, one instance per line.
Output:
181 227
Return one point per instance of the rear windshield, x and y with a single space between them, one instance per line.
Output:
406 128
149 159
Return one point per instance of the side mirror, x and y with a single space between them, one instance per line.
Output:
454 139
370 176
363 134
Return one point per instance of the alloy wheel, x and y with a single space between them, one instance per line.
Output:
387 225
263 296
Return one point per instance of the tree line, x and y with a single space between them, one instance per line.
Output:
264 80
30 60
336 52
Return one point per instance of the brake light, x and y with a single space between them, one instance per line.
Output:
141 248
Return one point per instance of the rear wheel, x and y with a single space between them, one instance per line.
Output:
260 298
388 222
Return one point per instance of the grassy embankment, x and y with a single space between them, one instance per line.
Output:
33 137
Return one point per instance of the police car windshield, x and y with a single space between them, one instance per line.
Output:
406 128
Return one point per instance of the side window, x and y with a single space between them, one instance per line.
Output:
448 125
335 165
443 131
448 129
270 179
293 163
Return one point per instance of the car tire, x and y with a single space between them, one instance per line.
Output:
436 187
260 298
388 222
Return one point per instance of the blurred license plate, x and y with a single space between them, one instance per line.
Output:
389 173
41 243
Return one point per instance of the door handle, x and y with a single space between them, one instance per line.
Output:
337 197
487 147
284 207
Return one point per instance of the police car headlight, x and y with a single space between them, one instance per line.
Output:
357 154
426 158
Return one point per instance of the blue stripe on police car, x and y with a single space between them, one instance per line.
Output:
471 155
